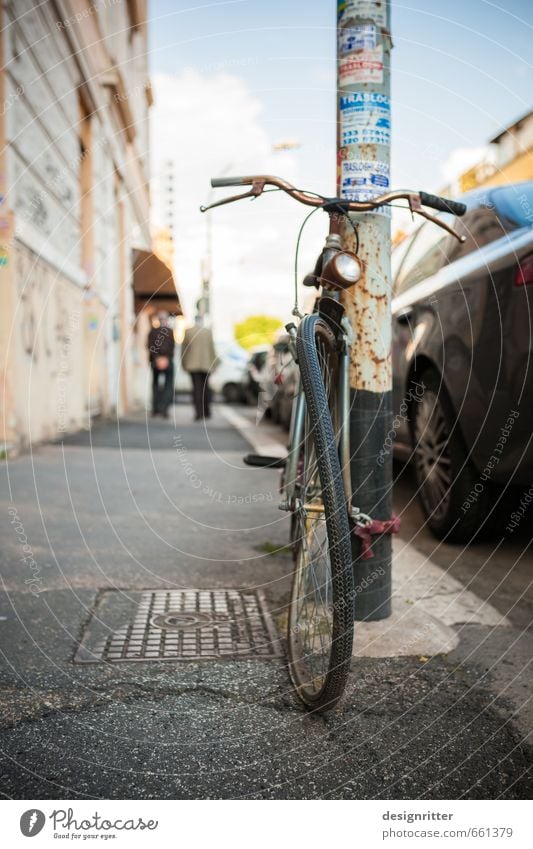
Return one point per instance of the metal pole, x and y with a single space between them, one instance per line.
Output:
363 157
204 302
205 298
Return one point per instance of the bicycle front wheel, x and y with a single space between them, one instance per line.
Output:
322 599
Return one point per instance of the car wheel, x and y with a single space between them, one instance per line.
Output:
249 397
454 499
286 412
231 393
275 416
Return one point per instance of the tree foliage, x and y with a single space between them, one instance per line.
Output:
256 330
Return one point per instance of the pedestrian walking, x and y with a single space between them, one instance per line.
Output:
161 352
198 358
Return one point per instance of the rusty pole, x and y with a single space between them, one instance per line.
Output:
363 157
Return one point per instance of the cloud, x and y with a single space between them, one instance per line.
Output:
210 124
460 160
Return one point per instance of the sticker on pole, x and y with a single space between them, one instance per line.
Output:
361 37
347 9
365 66
365 118
364 179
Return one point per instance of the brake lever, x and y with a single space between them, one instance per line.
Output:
255 191
415 206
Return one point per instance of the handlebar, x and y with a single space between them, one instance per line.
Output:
221 182
415 199
442 204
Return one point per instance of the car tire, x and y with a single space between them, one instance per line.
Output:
454 499
275 416
231 392
249 397
286 413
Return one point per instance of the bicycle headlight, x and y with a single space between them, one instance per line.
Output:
342 270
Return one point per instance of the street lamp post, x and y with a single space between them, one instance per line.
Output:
204 301
363 157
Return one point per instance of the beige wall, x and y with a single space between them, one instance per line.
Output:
47 350
68 349
516 171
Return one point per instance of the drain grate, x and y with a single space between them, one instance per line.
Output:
178 625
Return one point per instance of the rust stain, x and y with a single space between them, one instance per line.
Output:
366 308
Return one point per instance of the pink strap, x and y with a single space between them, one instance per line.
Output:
375 528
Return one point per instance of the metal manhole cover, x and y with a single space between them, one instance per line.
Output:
155 625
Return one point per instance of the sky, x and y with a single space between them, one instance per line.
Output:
232 79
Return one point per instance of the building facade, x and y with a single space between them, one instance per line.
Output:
74 180
166 189
508 158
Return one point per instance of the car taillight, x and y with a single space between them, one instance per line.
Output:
524 272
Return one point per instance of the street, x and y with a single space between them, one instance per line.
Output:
143 504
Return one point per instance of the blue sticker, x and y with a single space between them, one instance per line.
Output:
365 118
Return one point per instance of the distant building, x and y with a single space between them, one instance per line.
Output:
74 293
513 153
166 197
508 158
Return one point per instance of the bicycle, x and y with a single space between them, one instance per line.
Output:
316 482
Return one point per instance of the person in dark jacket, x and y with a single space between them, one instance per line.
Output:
161 352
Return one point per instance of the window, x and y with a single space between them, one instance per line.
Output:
480 227
515 203
429 251
85 176
258 359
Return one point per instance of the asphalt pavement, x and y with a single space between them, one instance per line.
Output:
148 504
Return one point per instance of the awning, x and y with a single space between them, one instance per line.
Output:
154 284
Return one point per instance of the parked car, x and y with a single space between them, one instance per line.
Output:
252 378
225 379
281 380
462 358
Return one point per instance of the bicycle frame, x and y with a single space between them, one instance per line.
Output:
317 478
336 209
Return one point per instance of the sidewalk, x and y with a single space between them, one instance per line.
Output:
169 506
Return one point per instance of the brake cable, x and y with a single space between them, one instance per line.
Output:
355 229
295 310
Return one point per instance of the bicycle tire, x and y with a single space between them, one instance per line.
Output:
313 331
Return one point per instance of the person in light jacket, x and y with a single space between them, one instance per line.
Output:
198 358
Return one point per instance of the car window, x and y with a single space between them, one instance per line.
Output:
515 203
428 253
479 227
259 359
